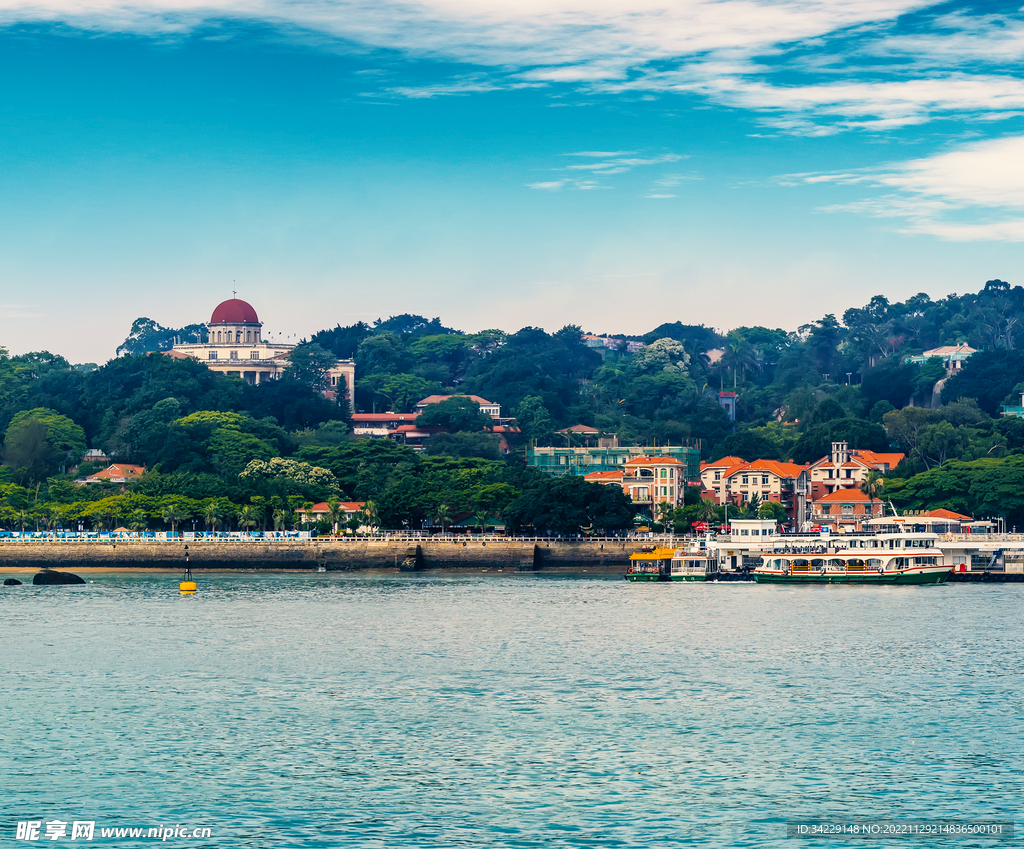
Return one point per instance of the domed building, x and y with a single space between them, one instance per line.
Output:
235 347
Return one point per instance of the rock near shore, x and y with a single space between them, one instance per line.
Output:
51 578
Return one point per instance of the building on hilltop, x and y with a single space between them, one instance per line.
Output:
604 343
378 425
952 356
488 407
235 346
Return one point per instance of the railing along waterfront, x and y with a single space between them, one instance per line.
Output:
244 539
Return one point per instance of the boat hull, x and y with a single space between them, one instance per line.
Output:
916 576
645 576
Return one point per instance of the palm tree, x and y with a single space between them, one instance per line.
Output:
335 511
173 513
247 517
739 355
442 516
370 512
708 509
752 507
22 517
307 509
872 487
59 514
138 521
282 518
213 514
481 518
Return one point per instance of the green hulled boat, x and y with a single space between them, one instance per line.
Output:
919 566
670 564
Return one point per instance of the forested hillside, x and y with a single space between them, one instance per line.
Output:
198 432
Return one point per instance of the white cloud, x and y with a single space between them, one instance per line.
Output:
957 63
973 193
614 163
660 196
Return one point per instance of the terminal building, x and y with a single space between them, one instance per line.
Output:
235 346
610 457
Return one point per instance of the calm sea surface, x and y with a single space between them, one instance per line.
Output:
503 710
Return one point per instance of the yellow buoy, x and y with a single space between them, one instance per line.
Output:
187 585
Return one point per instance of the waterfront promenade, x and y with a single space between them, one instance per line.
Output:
387 551
408 552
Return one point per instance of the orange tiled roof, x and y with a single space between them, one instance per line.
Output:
848 495
118 470
603 476
943 513
892 460
347 506
651 461
783 470
437 399
724 463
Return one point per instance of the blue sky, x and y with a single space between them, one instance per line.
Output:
500 163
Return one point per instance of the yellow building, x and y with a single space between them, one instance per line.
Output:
235 346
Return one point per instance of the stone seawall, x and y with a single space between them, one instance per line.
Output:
333 555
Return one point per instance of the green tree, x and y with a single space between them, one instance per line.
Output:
456 414
138 521
534 419
247 517
41 441
988 377
442 515
569 505
173 513
308 365
213 514
773 510
661 356
464 445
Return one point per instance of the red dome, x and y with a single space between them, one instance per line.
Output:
234 311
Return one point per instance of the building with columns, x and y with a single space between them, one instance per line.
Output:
235 347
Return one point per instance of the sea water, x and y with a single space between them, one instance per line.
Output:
504 710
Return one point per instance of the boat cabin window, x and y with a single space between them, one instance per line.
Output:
874 562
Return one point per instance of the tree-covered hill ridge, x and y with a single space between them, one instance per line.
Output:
847 378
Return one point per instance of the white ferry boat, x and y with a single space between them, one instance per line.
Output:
897 558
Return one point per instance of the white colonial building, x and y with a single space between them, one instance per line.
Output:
235 347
